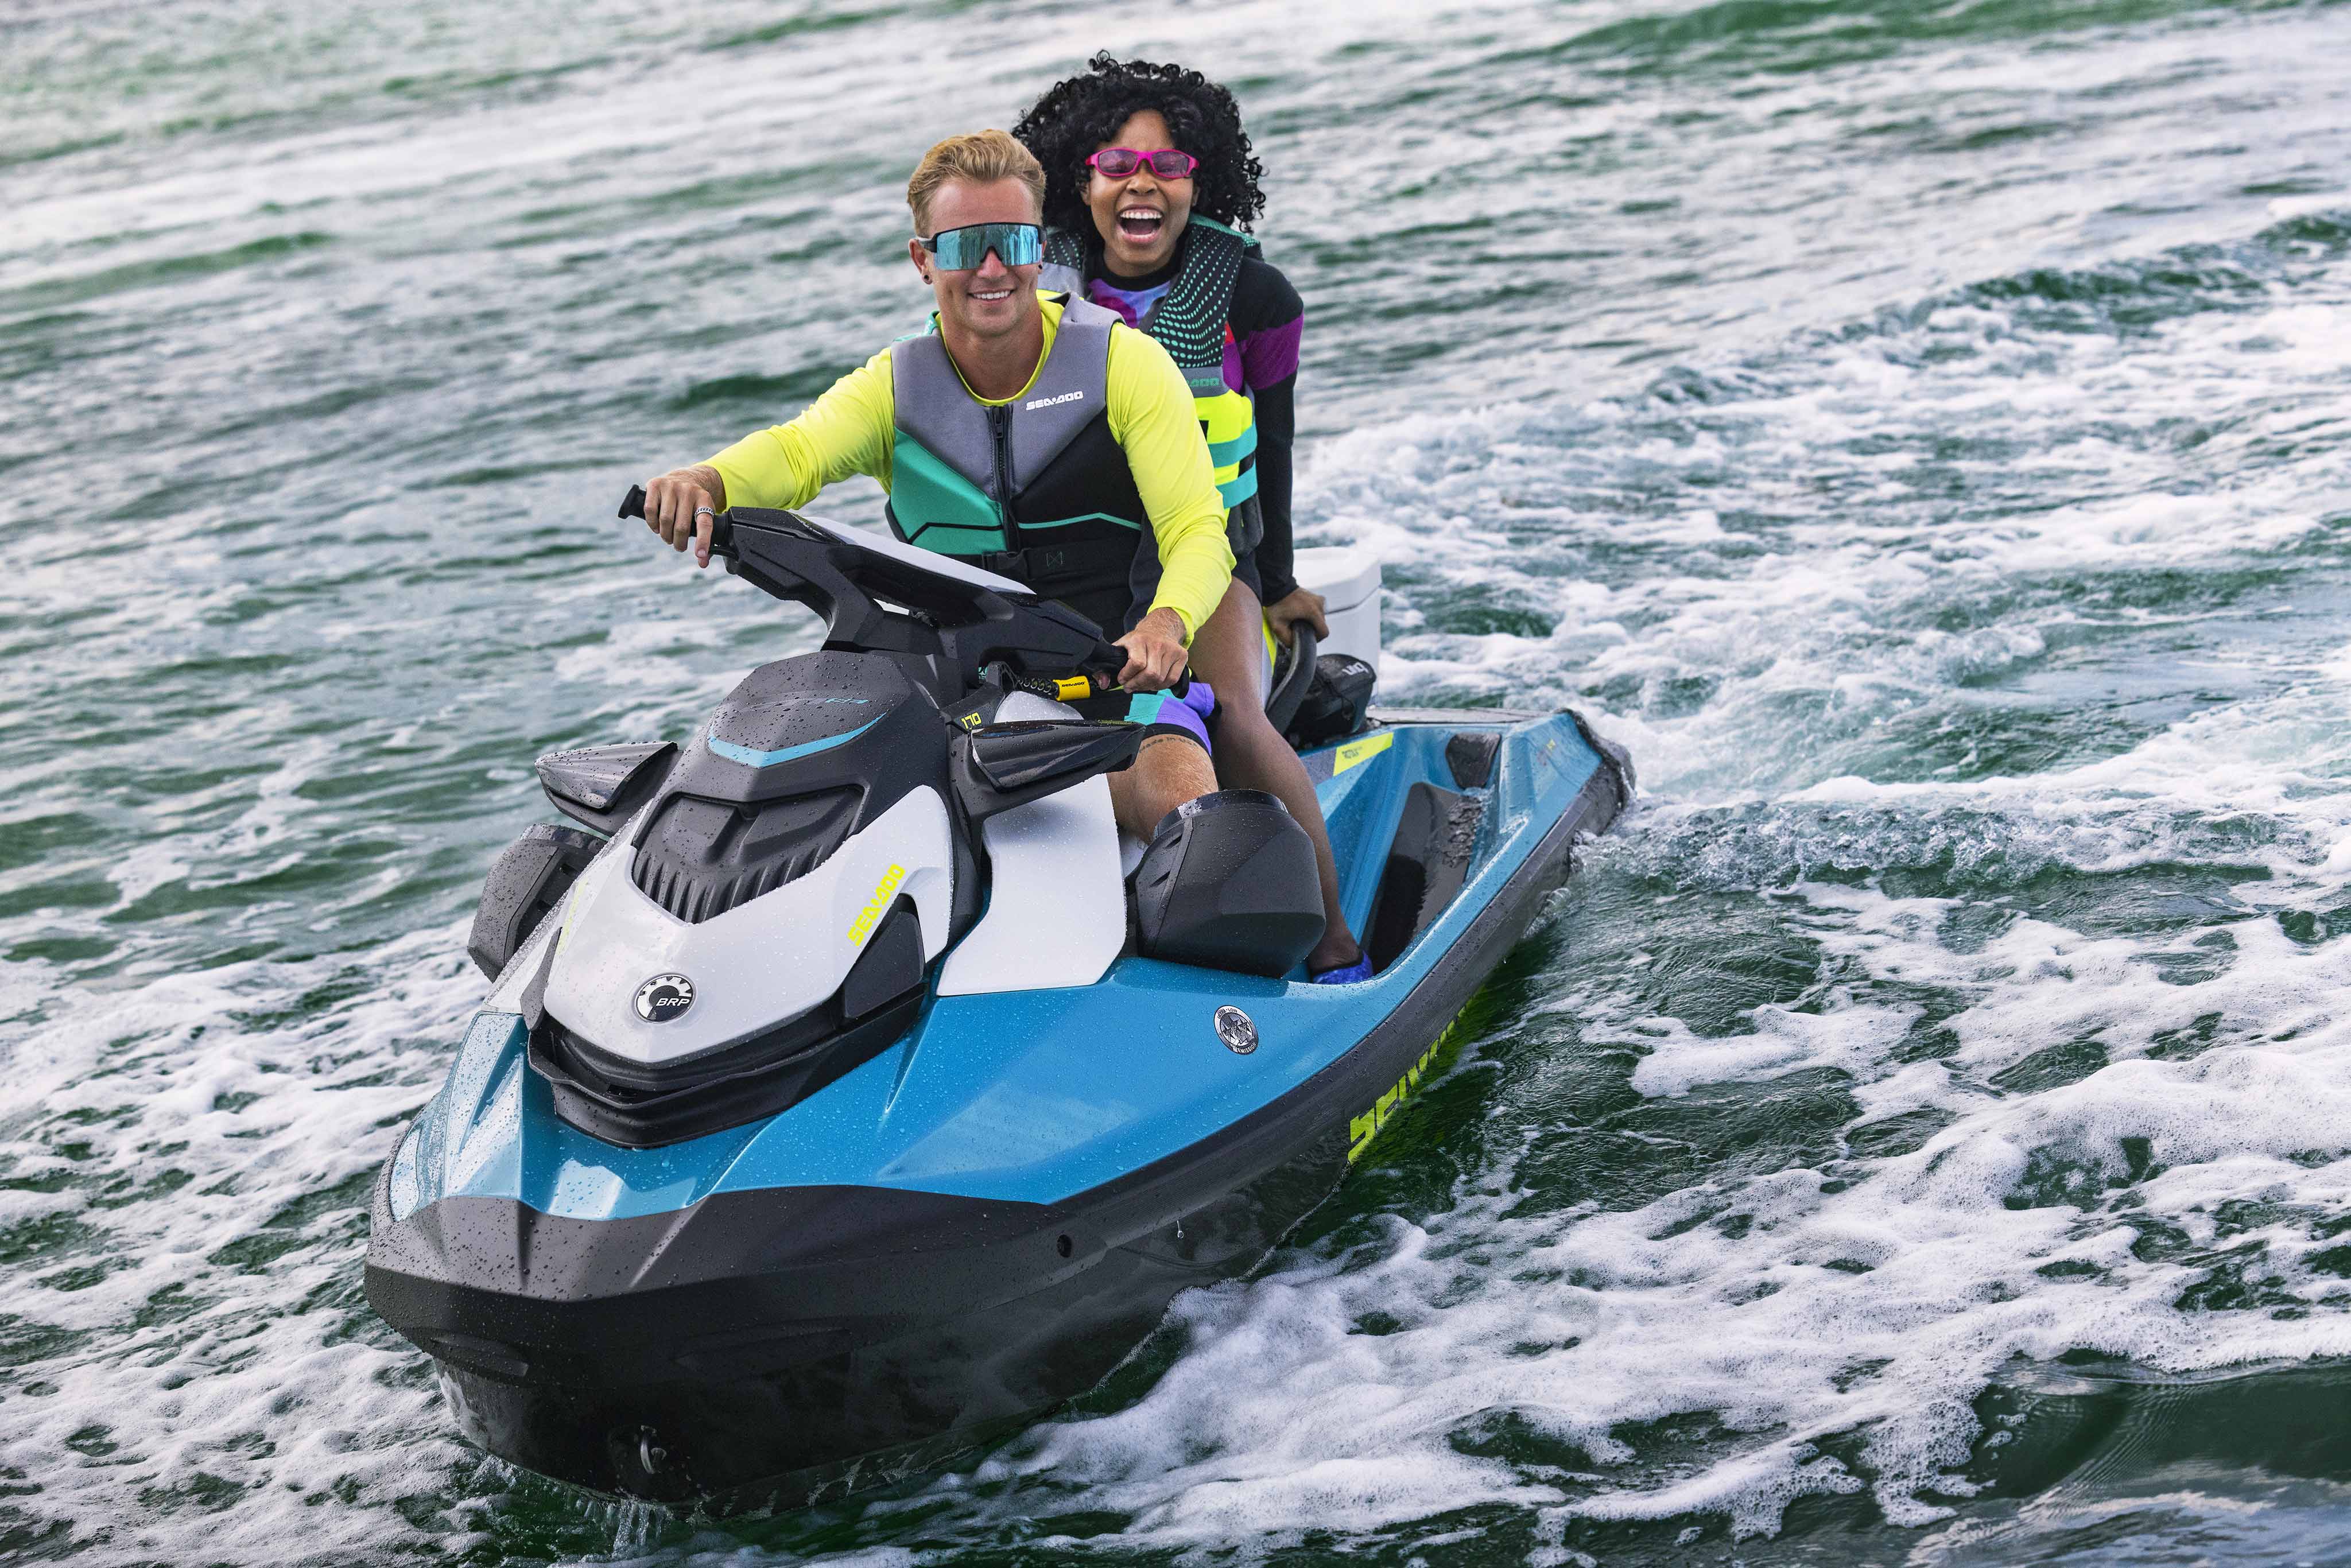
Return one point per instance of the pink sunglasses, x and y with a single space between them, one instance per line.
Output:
1118 162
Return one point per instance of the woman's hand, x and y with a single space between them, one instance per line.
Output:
1155 654
681 505
1298 605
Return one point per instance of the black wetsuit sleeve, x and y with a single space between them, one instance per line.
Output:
1268 321
1277 427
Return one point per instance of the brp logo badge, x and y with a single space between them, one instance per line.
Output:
664 998
1235 1028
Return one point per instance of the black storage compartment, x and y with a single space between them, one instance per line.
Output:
1336 704
1230 884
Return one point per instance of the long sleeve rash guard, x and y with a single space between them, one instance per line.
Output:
850 430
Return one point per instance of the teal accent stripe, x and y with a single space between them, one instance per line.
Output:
1220 452
1236 491
1209 381
750 759
1089 517
956 538
1145 706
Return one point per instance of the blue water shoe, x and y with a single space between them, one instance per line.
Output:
1345 974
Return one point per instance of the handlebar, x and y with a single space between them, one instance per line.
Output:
721 527
791 580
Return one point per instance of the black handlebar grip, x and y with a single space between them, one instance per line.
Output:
1108 659
721 527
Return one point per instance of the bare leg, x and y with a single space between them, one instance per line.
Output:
1228 655
1169 770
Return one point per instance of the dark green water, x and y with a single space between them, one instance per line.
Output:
1921 1135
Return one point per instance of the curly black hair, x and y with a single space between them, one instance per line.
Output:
1081 113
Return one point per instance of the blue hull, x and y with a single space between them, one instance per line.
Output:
981 1220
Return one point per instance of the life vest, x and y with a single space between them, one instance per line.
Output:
1037 488
1193 321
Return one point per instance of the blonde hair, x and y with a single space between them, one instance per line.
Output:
976 158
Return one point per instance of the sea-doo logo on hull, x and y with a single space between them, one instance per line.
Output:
1078 396
664 998
1236 1030
862 926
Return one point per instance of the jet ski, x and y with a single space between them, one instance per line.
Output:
848 1094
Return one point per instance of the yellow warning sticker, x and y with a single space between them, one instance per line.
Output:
862 926
1363 751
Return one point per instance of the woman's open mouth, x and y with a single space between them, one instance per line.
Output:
1141 225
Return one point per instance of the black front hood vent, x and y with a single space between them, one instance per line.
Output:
699 858
803 754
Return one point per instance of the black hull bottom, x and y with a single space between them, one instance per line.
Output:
770 1348
896 1404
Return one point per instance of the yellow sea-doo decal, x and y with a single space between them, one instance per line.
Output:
862 926
1363 1128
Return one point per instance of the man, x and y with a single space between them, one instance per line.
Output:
1036 437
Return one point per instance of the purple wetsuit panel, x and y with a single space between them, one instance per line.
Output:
1188 713
1132 304
1265 357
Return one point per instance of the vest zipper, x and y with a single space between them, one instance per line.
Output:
999 425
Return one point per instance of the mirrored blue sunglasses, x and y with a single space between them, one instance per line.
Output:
963 249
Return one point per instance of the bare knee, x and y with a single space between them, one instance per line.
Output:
1168 771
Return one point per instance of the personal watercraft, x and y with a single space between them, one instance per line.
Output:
847 1095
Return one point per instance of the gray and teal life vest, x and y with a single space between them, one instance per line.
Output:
1193 321
1037 488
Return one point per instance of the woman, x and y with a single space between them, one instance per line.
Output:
1149 184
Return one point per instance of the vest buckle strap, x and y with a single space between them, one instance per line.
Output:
1040 565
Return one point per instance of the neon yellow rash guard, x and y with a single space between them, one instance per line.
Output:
849 431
